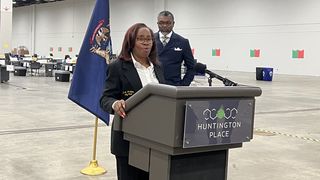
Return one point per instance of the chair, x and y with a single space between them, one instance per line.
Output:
16 63
36 66
67 57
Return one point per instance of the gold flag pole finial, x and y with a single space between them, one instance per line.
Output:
94 169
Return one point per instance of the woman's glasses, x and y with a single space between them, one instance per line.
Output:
144 40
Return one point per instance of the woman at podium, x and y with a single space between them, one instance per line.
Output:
136 66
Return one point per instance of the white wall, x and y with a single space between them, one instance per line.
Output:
5 25
276 27
21 27
124 13
60 24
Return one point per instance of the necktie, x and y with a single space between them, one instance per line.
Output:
165 40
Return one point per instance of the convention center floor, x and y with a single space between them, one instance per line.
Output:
44 136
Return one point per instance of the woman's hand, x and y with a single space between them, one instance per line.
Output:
119 108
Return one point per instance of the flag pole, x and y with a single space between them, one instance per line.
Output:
94 169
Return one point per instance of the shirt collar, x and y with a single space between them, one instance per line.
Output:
168 35
138 64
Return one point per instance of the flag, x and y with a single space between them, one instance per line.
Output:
254 52
90 71
297 53
215 52
294 53
300 53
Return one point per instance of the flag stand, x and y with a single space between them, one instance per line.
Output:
93 169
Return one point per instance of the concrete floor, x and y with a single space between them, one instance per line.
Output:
43 135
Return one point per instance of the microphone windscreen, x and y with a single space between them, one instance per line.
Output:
200 68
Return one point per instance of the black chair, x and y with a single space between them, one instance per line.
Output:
67 57
36 66
58 66
16 63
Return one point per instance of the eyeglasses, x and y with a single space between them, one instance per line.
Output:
162 23
145 40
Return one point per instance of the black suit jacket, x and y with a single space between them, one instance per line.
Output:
171 56
122 82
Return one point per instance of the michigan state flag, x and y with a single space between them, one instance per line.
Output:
90 72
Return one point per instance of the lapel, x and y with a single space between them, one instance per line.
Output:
158 43
169 45
159 74
132 75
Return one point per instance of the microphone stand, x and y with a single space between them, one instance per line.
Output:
210 80
225 81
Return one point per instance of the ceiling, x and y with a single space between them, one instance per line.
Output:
19 3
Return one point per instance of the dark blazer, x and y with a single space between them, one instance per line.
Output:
122 82
171 56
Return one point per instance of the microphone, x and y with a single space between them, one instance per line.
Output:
202 68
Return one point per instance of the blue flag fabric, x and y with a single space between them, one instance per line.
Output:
90 71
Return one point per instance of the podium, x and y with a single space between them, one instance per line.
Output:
178 132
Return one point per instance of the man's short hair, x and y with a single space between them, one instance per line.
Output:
166 13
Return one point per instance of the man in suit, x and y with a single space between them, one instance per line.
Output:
173 51
136 66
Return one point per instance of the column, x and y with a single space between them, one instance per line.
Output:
5 26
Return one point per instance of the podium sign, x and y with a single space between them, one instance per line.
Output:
218 121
